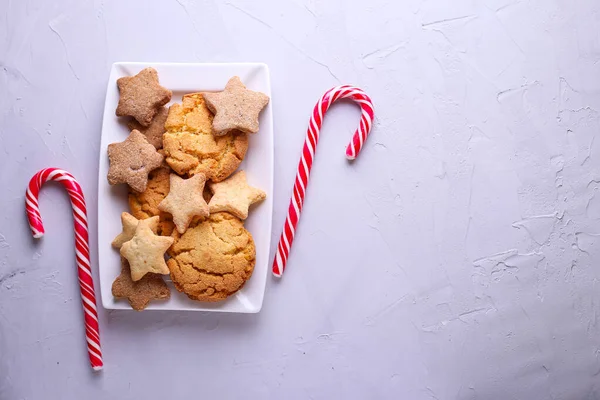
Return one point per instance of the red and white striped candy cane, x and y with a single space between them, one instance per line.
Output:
308 153
82 251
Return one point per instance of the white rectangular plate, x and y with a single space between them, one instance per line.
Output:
258 164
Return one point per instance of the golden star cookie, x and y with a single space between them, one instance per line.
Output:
235 108
141 96
145 252
234 195
185 200
129 223
140 293
154 132
190 146
132 160
213 258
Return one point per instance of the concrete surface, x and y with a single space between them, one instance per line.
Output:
456 259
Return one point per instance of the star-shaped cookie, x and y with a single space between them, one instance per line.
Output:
132 160
145 252
185 200
235 108
141 96
129 223
234 195
140 293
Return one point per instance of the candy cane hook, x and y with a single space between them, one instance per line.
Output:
82 251
306 160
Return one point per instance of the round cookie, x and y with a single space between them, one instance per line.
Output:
213 259
190 146
145 204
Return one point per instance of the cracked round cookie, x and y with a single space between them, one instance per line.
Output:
213 259
190 146
145 204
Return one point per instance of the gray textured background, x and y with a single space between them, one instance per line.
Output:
456 259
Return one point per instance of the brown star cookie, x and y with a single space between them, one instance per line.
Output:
234 195
185 200
235 108
190 146
146 252
140 293
213 258
132 160
141 96
129 223
154 132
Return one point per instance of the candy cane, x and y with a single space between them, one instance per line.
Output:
82 252
308 153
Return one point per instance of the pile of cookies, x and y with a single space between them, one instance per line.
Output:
187 202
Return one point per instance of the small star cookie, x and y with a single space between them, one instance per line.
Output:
145 252
235 108
154 132
132 160
185 200
234 195
141 96
129 223
140 293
